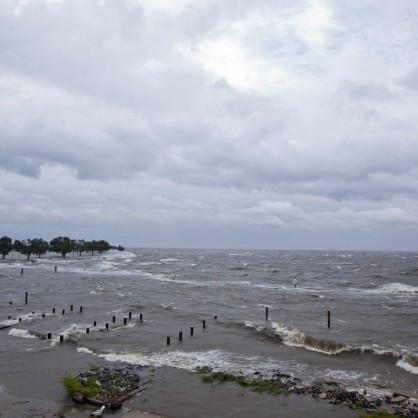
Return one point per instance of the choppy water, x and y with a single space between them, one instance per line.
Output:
372 342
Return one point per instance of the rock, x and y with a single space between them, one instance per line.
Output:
398 399
322 395
78 397
331 382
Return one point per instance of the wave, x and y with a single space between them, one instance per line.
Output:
21 333
296 338
398 288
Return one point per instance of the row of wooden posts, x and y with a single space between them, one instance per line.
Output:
191 331
21 270
329 316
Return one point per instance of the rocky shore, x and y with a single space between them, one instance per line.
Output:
330 390
116 384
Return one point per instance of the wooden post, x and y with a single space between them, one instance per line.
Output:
130 315
329 319
140 318
125 321
215 317
26 298
81 309
21 271
20 319
168 340
63 311
49 335
87 330
43 315
204 324
180 335
94 323
61 338
267 313
55 269
114 319
107 326
71 307
191 330
53 310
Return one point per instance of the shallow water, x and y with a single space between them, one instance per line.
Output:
372 342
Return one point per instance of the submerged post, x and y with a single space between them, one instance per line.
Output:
107 326
87 330
125 320
26 298
204 324
140 318
180 335
49 335
114 319
94 323
267 313
130 315
55 269
71 307
61 338
168 340
191 330
329 319
21 271
81 309
63 311
53 310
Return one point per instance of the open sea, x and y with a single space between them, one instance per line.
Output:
131 301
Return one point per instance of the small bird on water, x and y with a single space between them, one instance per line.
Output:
98 412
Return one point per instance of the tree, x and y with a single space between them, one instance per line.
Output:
5 246
61 245
24 247
79 246
40 246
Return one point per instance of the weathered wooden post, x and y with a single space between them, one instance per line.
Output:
63 311
81 309
204 324
26 298
87 330
215 317
130 315
191 330
21 271
180 335
140 318
107 326
267 313
43 315
329 319
55 269
61 338
71 307
49 335
114 319
168 340
20 319
94 323
53 310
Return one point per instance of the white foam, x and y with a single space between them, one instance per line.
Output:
21 333
407 366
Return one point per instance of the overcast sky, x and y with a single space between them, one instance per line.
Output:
283 124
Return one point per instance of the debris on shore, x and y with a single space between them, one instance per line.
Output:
105 386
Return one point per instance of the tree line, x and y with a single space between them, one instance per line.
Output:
59 245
